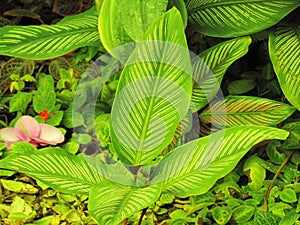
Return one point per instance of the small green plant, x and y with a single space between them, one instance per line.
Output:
149 106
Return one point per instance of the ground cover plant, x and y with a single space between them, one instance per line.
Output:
152 112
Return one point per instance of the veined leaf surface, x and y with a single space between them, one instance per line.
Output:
284 49
154 92
50 41
56 168
231 18
124 21
210 67
110 203
246 110
193 168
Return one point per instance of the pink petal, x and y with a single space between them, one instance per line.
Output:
27 127
49 135
8 135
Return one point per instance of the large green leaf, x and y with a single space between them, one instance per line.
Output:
123 21
246 110
110 26
57 168
284 49
110 203
154 92
193 168
138 16
232 18
210 67
50 41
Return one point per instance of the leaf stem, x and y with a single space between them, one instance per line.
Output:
142 215
283 164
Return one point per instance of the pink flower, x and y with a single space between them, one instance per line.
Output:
28 129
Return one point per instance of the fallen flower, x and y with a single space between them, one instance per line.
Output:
28 129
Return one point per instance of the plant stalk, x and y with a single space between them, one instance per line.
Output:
283 164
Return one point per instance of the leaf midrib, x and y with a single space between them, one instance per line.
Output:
149 112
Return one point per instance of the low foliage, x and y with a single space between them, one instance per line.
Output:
133 153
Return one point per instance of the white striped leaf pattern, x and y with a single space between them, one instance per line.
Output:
110 203
154 92
56 168
211 66
193 168
284 49
232 18
246 110
50 41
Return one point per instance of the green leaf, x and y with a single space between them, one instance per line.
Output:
246 110
227 18
284 50
111 28
193 168
288 195
255 171
180 5
56 168
122 21
110 203
154 92
243 213
19 101
138 16
290 218
45 97
19 187
222 214
241 86
22 147
211 66
273 152
266 218
50 41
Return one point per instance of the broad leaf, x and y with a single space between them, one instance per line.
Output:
228 18
56 168
138 16
110 203
193 168
284 52
110 26
124 21
180 5
50 41
246 110
153 93
210 67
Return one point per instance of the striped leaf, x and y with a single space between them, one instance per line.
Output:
284 49
246 110
229 18
56 168
193 168
210 67
154 92
50 41
111 203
